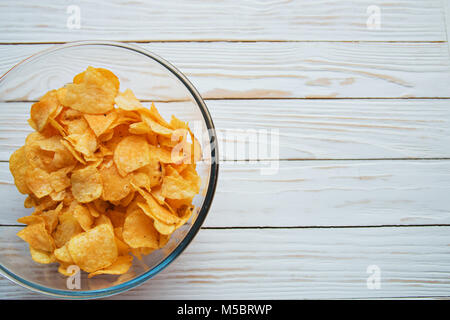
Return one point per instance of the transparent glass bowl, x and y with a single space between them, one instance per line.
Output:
152 79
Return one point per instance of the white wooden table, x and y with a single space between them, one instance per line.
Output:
364 122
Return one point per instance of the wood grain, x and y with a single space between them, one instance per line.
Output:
332 20
297 264
305 129
311 193
265 70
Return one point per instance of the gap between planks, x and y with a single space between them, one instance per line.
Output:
230 41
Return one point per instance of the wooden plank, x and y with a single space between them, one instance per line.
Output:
312 193
331 20
293 264
257 70
305 129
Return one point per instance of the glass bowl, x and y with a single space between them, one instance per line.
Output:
152 79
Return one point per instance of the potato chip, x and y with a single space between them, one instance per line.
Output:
131 153
87 184
94 249
156 127
18 165
41 256
59 179
94 95
115 187
58 196
117 218
120 266
100 123
138 230
163 228
44 109
67 228
155 211
38 181
37 236
127 200
63 254
82 214
122 247
50 217
127 101
174 186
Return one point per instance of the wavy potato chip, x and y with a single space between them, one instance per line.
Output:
63 254
115 187
38 181
82 215
87 184
131 153
41 256
37 236
138 230
44 109
94 94
18 165
94 249
100 123
67 228
120 266
127 101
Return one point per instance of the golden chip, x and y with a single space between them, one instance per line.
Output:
131 153
67 228
120 266
37 236
93 95
18 165
41 256
138 230
94 249
87 184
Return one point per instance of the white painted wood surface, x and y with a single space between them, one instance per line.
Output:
363 118
299 264
222 70
330 20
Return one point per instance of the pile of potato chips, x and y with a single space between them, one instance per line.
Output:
108 178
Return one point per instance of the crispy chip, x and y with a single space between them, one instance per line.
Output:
127 101
94 249
93 95
100 123
115 187
131 153
138 230
120 266
37 236
41 256
67 228
38 181
174 186
18 165
82 214
44 109
63 254
87 184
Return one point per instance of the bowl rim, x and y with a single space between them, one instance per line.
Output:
214 173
